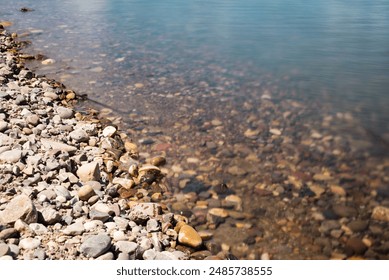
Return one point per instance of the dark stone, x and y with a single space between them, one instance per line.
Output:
358 225
355 246
345 211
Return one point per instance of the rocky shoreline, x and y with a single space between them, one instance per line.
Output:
277 174
73 187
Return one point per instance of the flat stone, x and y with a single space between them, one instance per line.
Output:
65 113
74 229
380 213
126 246
20 207
29 243
275 131
89 172
8 233
86 192
54 145
358 225
79 135
165 255
236 171
189 236
345 211
12 156
218 212
98 215
37 228
96 245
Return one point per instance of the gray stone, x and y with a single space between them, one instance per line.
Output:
39 254
96 245
89 172
126 246
4 249
98 215
79 135
32 119
62 191
52 164
74 229
29 243
48 144
50 216
153 225
20 207
65 113
12 156
14 250
106 257
6 258
143 211
149 254
165 255
38 229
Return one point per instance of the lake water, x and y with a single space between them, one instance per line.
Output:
336 46
287 99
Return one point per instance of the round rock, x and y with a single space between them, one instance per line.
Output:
189 236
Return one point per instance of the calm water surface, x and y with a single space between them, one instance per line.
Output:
337 47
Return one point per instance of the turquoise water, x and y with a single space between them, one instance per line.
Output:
337 47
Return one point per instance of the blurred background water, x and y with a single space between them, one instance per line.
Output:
340 48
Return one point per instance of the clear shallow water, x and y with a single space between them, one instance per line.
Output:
337 47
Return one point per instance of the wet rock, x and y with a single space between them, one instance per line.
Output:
158 161
358 225
96 245
355 246
20 207
345 211
188 236
380 213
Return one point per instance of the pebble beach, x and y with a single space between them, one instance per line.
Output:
73 188
83 185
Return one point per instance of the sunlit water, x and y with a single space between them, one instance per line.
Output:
333 47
